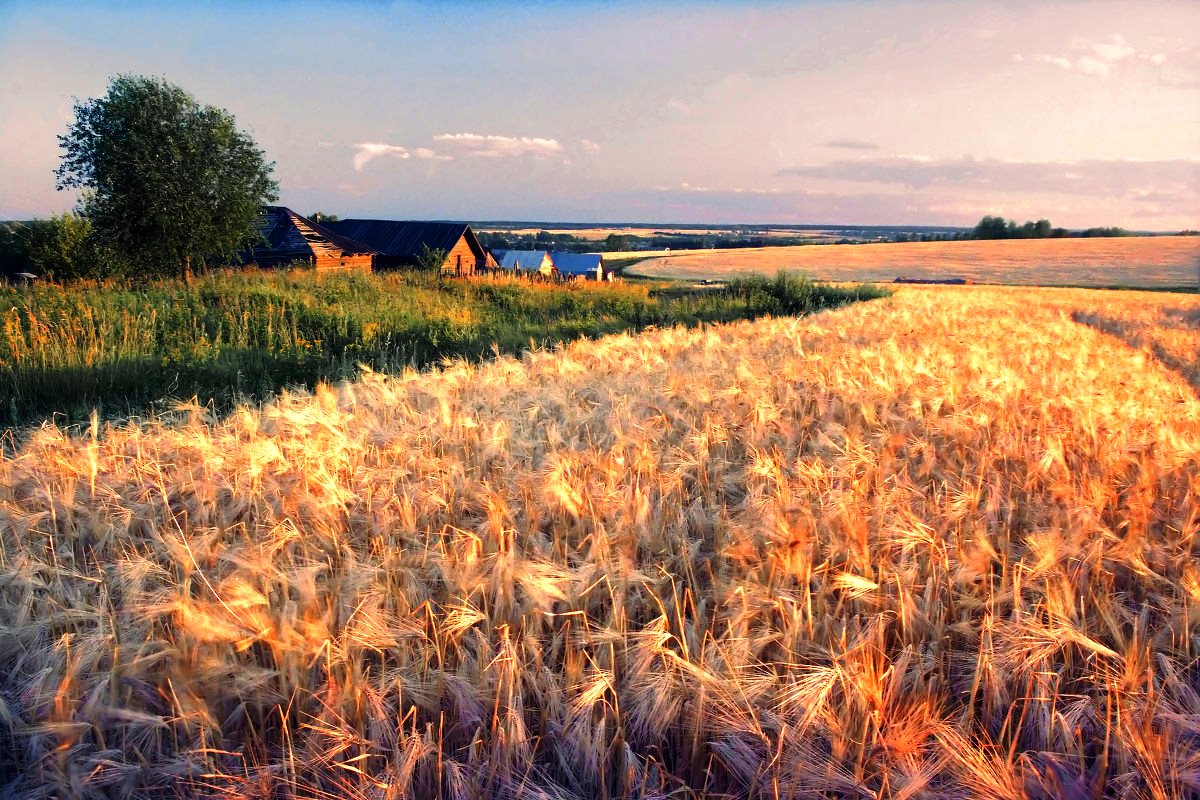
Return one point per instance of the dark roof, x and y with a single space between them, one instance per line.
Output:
577 263
404 238
290 237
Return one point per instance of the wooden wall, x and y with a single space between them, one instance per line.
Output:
461 254
334 260
327 255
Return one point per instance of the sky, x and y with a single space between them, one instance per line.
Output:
931 113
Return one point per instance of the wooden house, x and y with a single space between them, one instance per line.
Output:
589 266
537 261
288 238
402 243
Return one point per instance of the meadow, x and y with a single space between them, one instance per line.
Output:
1142 262
938 545
244 335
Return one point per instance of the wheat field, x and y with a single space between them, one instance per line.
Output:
940 545
1145 262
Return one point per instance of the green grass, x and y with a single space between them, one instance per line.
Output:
124 350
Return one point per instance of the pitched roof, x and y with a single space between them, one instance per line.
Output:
577 263
521 259
291 237
404 238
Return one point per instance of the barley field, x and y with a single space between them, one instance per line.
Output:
603 232
1144 262
939 545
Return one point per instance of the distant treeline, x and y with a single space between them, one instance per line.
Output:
1000 228
661 240
990 227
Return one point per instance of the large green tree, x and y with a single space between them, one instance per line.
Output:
167 182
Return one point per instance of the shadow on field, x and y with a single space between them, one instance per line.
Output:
1168 334
129 351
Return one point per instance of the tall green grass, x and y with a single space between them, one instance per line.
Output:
122 350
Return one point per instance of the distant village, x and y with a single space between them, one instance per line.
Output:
375 244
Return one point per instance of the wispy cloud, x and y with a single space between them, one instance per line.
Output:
1096 58
851 144
492 146
1115 177
431 155
464 145
1058 61
688 188
369 151
1116 49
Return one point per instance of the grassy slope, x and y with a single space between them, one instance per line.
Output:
246 335
1167 261
939 545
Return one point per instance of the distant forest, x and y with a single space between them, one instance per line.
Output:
644 237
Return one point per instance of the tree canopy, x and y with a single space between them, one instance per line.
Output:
167 182
616 243
991 227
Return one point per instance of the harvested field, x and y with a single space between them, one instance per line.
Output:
601 233
1146 262
941 545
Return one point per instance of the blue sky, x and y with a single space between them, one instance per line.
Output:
855 112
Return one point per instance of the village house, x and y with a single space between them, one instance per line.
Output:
589 266
402 243
288 237
538 261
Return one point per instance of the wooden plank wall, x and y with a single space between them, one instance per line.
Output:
461 249
328 255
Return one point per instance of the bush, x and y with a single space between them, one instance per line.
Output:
794 293
65 248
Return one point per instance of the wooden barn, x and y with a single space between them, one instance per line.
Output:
400 243
589 266
288 237
538 261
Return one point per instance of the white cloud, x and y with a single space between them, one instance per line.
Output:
1117 49
687 188
491 146
1092 66
431 155
1097 58
1057 61
465 145
369 151
589 146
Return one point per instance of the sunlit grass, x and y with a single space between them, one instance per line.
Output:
243 336
941 545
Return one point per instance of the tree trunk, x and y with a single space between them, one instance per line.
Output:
187 269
